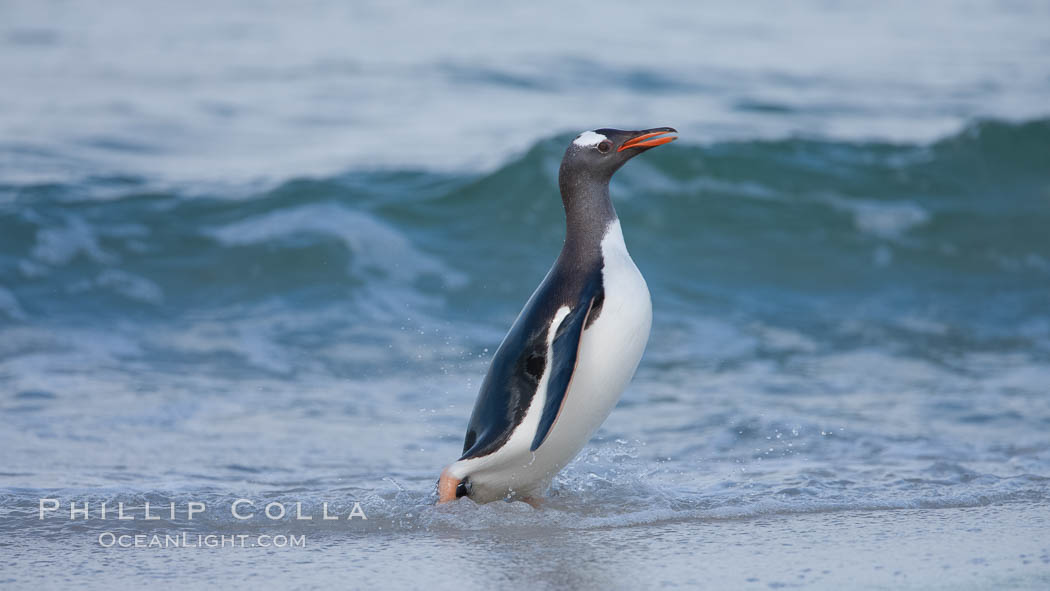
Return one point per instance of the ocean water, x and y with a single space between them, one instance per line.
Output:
265 252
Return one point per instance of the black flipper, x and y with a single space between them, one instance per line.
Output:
564 353
521 359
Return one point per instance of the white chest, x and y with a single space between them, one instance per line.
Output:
627 311
613 345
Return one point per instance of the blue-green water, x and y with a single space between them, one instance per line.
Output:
263 257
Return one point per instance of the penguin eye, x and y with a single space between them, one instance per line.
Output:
604 146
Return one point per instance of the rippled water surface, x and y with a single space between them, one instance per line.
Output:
267 252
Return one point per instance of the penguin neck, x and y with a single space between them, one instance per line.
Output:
588 213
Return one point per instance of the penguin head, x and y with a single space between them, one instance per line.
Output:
596 155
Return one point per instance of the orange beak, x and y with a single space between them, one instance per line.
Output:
447 486
649 140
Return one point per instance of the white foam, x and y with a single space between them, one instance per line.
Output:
9 305
377 247
59 245
131 286
589 138
884 219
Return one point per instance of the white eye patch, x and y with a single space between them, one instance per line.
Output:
589 138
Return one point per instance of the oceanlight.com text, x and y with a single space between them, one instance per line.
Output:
187 540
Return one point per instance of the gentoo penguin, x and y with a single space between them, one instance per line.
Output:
573 348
